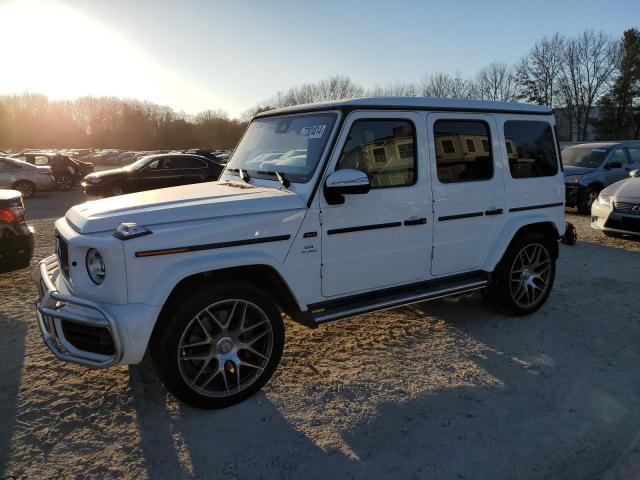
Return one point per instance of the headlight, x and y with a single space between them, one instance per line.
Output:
92 180
572 178
95 266
604 199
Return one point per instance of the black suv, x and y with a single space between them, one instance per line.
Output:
151 172
16 237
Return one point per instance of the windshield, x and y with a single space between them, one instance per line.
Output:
138 164
583 156
290 145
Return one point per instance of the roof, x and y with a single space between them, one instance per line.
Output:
415 103
605 144
9 194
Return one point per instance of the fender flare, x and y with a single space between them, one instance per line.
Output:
175 272
510 229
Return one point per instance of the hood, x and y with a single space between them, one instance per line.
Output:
107 173
180 204
629 188
571 170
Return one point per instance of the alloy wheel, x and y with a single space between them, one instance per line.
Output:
529 276
26 189
64 184
225 348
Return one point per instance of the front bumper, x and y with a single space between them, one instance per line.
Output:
604 218
91 189
573 192
55 309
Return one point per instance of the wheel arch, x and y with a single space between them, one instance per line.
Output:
25 180
515 229
261 275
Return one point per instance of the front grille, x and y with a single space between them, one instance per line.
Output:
62 253
88 338
629 224
627 208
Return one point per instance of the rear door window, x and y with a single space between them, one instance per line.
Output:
457 157
531 149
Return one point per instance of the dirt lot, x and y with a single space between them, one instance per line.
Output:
440 390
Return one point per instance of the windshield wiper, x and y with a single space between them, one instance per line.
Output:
280 176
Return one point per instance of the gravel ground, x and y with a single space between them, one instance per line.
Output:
447 389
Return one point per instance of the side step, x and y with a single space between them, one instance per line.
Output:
395 297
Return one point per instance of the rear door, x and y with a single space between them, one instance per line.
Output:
185 170
468 189
7 178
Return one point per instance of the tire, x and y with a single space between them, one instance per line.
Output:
219 345
518 286
586 200
64 183
115 189
25 187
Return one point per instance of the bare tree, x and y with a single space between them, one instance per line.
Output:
588 67
496 82
539 72
445 85
395 90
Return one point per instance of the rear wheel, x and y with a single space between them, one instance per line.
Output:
219 346
64 183
587 199
26 188
523 279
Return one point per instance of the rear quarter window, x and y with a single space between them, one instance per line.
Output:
531 149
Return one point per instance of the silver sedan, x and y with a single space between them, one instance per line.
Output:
616 212
24 177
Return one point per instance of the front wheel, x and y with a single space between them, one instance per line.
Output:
587 199
218 346
523 279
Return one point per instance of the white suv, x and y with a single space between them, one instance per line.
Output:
325 211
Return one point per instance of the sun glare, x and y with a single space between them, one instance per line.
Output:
53 49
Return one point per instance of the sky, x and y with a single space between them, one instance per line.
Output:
194 55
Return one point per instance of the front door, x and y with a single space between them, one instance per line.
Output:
616 173
381 238
468 189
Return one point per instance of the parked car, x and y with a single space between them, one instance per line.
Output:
151 172
16 237
205 152
24 177
590 167
617 211
68 172
398 200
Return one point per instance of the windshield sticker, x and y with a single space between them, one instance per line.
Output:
315 131
599 150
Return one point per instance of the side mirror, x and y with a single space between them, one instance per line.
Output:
634 173
614 165
345 182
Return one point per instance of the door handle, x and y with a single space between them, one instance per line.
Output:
415 221
493 211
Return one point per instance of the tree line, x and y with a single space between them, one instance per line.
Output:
577 76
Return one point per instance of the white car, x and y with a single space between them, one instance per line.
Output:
617 210
396 201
